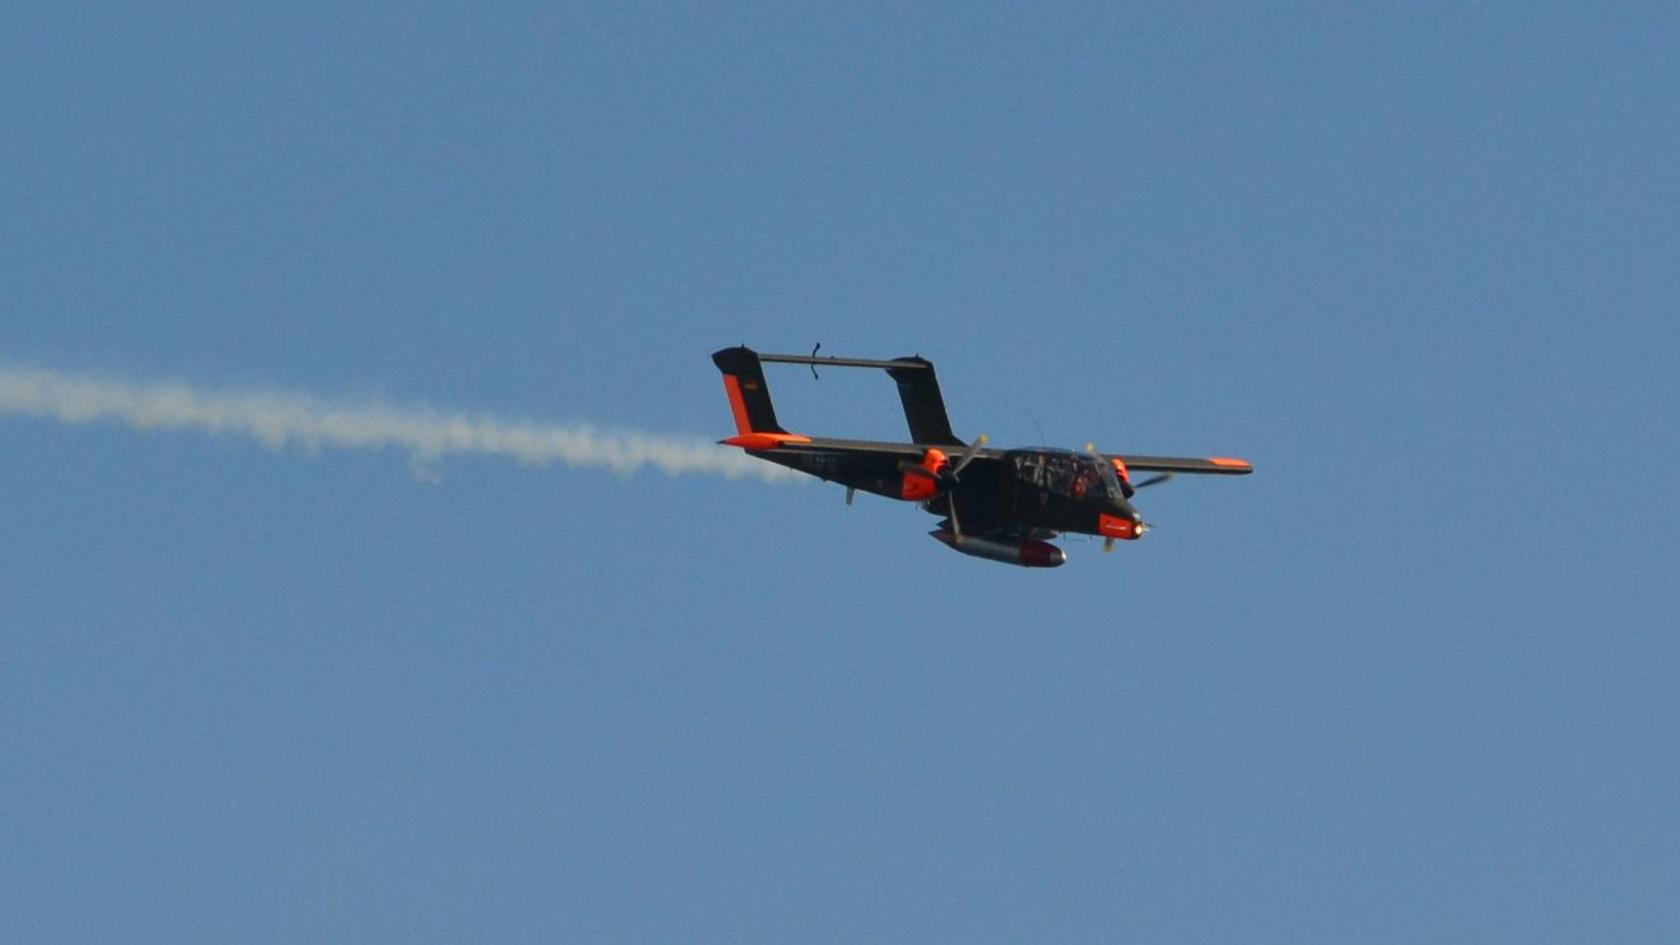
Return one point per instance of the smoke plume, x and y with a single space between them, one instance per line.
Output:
280 420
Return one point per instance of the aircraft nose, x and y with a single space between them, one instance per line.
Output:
1125 509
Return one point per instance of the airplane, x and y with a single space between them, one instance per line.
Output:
996 504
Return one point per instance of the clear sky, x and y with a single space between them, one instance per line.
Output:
1414 680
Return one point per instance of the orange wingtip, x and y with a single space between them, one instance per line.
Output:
1228 461
764 441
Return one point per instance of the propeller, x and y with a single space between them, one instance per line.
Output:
1152 481
953 478
948 477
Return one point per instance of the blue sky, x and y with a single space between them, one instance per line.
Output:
1413 680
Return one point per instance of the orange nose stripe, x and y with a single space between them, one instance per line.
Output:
1113 526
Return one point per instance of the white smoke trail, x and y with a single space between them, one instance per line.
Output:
278 420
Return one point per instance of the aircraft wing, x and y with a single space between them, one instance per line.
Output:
1214 465
1217 465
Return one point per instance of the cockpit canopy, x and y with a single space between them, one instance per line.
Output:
1075 475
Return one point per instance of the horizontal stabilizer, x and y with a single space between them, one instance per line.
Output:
918 390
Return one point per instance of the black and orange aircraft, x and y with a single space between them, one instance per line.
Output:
997 504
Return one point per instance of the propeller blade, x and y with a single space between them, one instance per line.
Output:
956 527
1108 545
1152 481
968 455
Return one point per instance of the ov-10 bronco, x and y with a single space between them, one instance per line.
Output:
997 504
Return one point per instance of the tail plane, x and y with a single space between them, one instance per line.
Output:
918 389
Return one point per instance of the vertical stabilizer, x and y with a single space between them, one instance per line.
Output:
924 408
749 396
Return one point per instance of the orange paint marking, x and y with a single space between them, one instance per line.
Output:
764 441
1113 526
737 403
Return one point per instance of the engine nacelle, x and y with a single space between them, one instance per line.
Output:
921 482
1027 552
